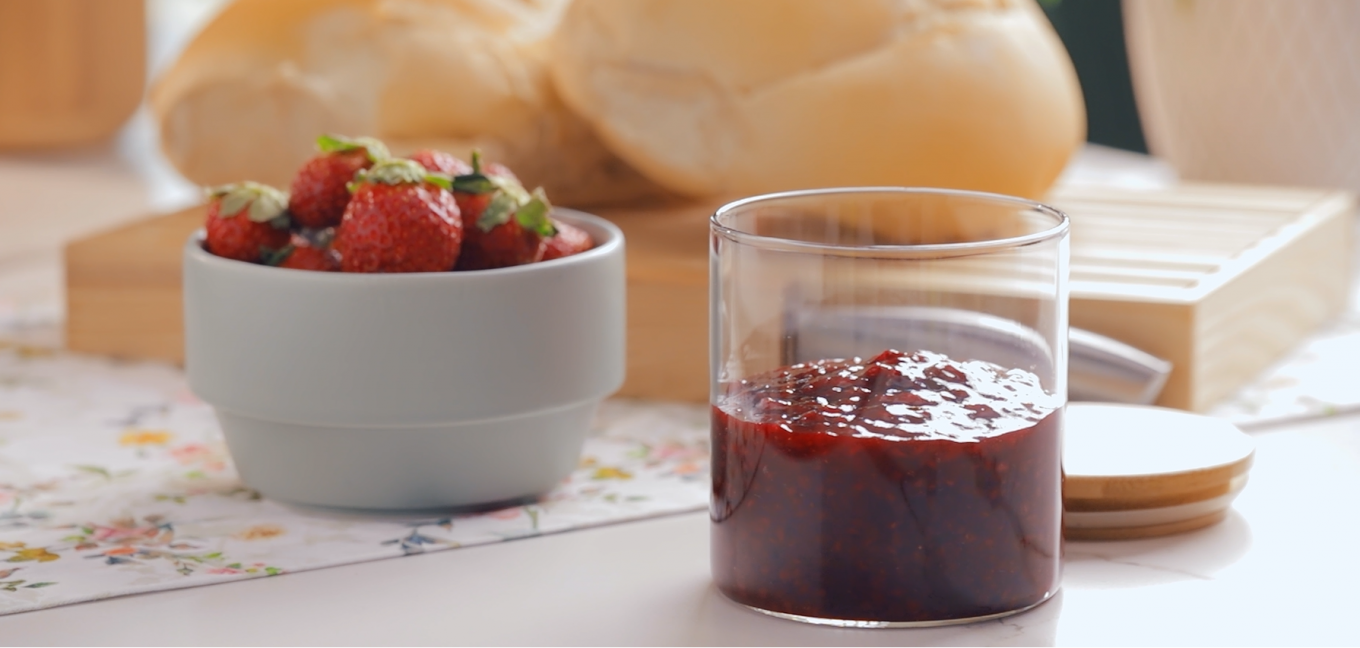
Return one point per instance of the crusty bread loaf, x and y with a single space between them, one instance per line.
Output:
747 96
249 95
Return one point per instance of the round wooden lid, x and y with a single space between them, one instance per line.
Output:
1137 471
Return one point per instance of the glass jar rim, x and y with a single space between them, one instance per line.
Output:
1059 228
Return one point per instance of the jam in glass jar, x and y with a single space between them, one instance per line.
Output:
887 405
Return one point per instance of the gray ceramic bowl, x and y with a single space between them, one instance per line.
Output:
406 391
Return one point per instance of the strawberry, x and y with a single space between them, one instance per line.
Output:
319 195
504 225
496 169
441 162
307 251
401 218
508 244
474 191
246 221
569 240
310 258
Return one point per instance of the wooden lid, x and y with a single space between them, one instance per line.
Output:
1138 471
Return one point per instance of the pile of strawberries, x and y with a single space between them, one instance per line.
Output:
355 208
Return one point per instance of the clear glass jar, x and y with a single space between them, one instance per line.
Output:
889 371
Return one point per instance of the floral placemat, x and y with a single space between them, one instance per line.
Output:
114 480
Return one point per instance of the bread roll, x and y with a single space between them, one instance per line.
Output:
746 96
248 97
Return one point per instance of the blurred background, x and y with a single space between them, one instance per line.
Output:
1249 90
56 192
1093 33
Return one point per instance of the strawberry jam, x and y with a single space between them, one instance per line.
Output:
905 488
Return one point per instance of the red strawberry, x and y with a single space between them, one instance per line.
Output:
307 253
508 244
496 169
319 195
503 225
569 240
400 219
310 258
246 221
474 189
441 162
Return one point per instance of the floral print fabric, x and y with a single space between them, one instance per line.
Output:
114 480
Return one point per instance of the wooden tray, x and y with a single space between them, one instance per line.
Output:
1221 280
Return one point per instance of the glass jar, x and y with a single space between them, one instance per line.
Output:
889 372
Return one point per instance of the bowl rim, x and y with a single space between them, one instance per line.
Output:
614 240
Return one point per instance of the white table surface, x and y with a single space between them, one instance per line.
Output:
1281 570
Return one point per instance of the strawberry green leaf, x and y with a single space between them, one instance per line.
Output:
267 254
512 187
233 203
338 144
473 183
497 212
265 202
332 143
267 207
480 182
376 150
276 257
533 215
393 171
440 180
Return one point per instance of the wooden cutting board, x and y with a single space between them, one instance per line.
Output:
1222 280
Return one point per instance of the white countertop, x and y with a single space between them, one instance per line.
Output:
1280 570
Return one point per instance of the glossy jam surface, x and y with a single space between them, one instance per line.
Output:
905 488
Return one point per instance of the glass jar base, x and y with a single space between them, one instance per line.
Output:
861 623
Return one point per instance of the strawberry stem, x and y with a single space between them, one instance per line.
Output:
473 183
